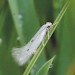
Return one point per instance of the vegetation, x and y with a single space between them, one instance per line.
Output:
21 19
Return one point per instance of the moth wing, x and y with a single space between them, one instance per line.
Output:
41 30
21 55
37 41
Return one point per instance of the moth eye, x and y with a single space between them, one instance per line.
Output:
27 49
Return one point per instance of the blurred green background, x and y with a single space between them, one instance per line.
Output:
21 19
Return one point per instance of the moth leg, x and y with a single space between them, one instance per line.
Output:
34 51
48 31
43 42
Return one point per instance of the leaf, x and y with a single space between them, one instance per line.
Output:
45 68
17 18
3 14
66 40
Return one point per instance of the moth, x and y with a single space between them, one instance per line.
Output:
23 54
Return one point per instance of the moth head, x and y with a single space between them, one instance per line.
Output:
48 24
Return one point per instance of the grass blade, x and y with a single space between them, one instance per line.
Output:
17 19
44 69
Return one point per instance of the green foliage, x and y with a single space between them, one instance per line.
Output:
22 19
45 68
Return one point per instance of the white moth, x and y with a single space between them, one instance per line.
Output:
23 54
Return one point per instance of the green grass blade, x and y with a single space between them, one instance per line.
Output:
40 49
3 14
59 17
45 68
66 54
17 19
8 36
